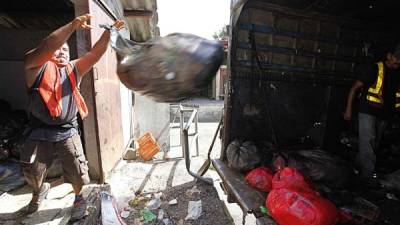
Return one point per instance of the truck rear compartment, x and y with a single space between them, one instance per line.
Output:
290 68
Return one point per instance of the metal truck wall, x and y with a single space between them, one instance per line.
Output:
101 89
290 73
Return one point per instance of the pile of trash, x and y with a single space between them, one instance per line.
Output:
310 187
12 125
152 209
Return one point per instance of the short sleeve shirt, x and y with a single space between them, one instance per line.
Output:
390 86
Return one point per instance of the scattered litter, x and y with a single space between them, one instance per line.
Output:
167 221
392 197
138 202
264 210
173 202
154 204
109 214
158 195
11 176
122 199
147 215
193 193
161 214
194 210
125 214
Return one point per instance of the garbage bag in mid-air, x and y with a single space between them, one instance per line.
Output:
168 69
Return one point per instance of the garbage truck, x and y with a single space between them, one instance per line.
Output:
291 64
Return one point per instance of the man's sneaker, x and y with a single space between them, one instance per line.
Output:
79 208
37 199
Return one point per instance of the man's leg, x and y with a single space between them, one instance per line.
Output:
75 170
380 129
35 158
366 157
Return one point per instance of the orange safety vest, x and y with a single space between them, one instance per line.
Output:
374 94
50 90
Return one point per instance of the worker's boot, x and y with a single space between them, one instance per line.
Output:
79 208
38 198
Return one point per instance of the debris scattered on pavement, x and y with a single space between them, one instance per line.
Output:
109 214
161 214
155 203
11 176
125 214
138 202
173 202
194 210
167 222
147 215
264 210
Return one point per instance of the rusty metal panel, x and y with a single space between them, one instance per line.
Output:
103 133
107 97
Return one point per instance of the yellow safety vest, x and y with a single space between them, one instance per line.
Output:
374 95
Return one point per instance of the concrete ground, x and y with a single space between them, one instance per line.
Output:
158 175
130 177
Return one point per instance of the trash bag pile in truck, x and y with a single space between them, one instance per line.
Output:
290 68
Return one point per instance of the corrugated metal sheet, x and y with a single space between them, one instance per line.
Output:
27 14
142 15
142 28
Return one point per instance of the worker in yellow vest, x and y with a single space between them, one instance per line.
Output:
379 100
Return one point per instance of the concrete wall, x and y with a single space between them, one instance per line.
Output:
153 117
126 114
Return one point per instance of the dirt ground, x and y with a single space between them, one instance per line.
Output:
213 209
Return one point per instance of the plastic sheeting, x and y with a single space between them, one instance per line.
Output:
11 176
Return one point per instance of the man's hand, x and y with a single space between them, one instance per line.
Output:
81 22
347 114
119 24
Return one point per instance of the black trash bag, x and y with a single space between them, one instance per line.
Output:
317 165
392 181
170 68
266 151
242 156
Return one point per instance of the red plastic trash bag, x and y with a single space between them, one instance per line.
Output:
260 178
290 178
293 207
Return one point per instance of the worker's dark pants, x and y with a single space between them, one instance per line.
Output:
370 130
37 157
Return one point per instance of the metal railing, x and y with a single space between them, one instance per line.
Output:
186 147
185 134
181 111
